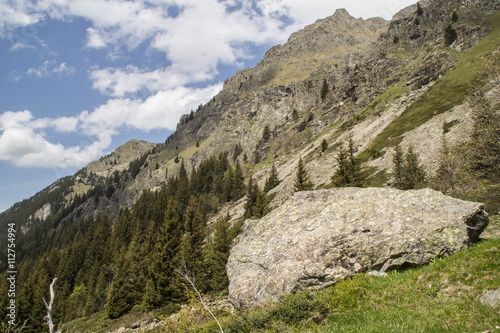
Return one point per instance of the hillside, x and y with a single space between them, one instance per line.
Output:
115 232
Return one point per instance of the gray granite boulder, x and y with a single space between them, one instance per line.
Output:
318 237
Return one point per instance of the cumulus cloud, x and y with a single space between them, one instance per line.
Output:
23 139
23 142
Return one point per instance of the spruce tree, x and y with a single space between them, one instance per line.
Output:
349 172
216 255
251 198
324 89
190 250
302 180
272 181
408 173
398 167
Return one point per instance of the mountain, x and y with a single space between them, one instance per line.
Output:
380 85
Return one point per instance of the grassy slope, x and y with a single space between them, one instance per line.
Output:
448 91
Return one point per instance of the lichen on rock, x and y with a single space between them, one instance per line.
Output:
318 237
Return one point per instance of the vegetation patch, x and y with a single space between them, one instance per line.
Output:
448 91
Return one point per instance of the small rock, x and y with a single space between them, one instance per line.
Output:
490 297
377 273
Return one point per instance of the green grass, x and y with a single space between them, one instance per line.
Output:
447 92
440 297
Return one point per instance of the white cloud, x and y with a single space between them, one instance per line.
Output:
64 70
23 141
48 68
18 46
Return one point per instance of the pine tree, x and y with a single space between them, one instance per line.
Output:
324 145
398 167
190 250
450 35
126 289
408 172
266 133
216 255
164 285
302 180
272 181
251 198
349 172
324 89
261 203
419 11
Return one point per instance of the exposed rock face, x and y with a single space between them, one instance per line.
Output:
318 237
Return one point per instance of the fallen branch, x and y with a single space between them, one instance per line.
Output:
186 276
49 307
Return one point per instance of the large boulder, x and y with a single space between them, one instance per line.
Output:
318 237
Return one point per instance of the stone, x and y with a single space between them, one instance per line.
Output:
318 237
490 297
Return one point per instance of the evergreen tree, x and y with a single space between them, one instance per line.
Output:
483 146
238 189
450 35
272 181
408 173
349 172
216 255
324 89
324 145
261 203
251 198
398 167
122 233
125 291
266 133
302 180
419 11
190 250
164 285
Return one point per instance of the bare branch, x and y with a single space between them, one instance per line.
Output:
186 276
49 306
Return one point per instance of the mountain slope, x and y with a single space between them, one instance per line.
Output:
382 84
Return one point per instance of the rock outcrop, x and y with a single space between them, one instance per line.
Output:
318 237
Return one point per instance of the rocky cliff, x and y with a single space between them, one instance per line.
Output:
318 237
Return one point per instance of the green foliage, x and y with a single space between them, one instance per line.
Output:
257 202
324 145
454 17
419 11
302 180
273 180
266 133
7 328
349 172
324 90
216 254
408 173
295 115
135 166
395 39
450 35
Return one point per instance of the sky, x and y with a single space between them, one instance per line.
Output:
78 78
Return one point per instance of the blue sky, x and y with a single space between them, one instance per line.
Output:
78 78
